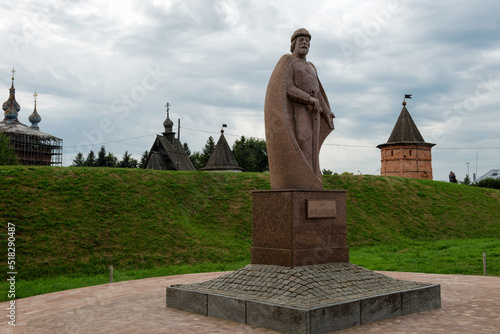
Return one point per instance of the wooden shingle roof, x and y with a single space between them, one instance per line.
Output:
222 157
405 131
167 155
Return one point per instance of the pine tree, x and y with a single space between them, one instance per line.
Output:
79 160
142 162
91 160
127 161
196 159
207 151
111 160
101 158
186 149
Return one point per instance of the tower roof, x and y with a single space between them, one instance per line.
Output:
405 130
222 158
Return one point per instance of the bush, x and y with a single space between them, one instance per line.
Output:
489 183
7 154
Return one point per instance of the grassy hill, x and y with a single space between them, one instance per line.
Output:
81 220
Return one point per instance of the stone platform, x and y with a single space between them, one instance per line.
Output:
308 299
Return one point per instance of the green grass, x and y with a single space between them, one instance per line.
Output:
439 257
463 257
39 286
76 222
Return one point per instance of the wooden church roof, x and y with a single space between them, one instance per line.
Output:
165 155
222 158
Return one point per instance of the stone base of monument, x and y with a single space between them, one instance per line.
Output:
299 227
300 279
308 299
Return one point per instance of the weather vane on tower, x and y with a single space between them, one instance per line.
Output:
407 96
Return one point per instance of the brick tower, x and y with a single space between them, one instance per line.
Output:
406 153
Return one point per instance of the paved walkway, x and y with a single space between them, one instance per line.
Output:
470 304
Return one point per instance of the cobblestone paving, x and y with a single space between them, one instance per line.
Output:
470 304
303 287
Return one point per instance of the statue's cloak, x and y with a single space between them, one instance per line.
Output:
288 166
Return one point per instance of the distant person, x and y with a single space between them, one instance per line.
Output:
452 177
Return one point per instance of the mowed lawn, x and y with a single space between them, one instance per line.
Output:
73 223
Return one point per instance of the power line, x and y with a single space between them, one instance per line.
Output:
234 135
467 148
111 142
350 145
225 134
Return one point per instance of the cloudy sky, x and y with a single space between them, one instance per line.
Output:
104 71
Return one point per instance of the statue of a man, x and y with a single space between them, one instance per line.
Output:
298 119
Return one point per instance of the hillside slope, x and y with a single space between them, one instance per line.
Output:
81 220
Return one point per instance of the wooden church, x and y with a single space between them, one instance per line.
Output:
167 152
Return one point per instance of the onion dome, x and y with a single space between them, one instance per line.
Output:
11 107
168 124
35 117
11 114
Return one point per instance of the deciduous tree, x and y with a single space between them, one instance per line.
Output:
251 154
7 154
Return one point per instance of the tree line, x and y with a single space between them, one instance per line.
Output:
103 159
250 153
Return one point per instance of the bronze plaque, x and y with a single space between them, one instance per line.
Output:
321 208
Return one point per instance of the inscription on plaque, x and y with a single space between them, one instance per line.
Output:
320 208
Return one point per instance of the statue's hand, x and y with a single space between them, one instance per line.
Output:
329 118
314 102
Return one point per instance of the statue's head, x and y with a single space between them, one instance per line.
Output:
302 32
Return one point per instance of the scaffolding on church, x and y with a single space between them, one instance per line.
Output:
36 150
32 146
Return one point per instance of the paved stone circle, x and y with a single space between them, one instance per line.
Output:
303 287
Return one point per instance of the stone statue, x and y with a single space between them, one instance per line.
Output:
297 118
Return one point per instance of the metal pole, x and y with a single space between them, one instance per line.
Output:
477 156
484 264
110 274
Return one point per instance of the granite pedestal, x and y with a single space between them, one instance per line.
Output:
299 227
300 279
